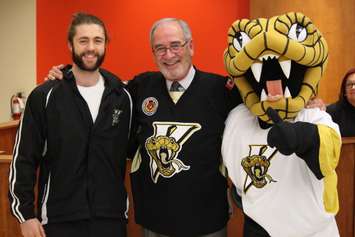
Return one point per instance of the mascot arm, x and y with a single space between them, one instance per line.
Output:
301 138
329 152
329 149
318 145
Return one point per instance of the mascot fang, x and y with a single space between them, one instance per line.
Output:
280 156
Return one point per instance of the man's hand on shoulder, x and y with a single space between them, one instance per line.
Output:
32 228
55 73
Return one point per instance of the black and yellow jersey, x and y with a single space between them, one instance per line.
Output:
177 185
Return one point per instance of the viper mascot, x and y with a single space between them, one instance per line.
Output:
280 156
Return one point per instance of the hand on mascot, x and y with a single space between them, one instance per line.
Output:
289 137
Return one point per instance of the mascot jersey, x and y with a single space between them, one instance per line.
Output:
279 192
280 156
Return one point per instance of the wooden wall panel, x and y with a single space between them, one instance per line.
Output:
235 223
7 136
335 19
346 188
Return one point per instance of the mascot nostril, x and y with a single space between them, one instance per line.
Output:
277 152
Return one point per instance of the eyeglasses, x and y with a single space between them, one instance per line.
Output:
350 85
174 47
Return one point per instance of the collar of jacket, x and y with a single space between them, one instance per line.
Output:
112 82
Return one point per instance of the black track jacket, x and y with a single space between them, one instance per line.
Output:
81 163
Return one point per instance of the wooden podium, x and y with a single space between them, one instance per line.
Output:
346 187
7 136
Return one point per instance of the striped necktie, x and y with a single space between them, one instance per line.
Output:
175 86
176 91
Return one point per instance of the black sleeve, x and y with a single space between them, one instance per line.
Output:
309 152
225 96
301 138
331 109
28 149
132 88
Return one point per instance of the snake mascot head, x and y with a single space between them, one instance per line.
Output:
284 56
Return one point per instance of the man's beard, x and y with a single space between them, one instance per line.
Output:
77 59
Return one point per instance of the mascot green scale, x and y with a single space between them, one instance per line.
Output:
280 156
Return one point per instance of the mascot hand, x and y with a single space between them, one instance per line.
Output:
289 137
282 135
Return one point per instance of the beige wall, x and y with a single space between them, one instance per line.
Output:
335 19
17 50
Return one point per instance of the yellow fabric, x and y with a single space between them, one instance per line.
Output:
175 95
137 160
223 170
329 152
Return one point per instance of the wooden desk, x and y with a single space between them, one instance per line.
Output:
7 136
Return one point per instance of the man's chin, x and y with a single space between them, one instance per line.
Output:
171 74
89 68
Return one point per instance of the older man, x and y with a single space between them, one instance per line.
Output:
177 185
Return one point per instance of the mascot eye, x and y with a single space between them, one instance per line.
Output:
297 32
240 40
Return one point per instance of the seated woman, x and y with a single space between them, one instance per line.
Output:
343 111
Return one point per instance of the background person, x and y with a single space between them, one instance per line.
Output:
343 111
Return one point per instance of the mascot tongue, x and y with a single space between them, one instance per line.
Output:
274 88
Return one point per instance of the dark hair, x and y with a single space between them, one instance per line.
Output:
342 96
81 18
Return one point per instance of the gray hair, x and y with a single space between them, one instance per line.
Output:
184 26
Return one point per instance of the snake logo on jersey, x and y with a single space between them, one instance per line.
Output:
256 165
165 145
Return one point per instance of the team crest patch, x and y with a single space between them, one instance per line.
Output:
116 117
164 146
256 166
150 106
